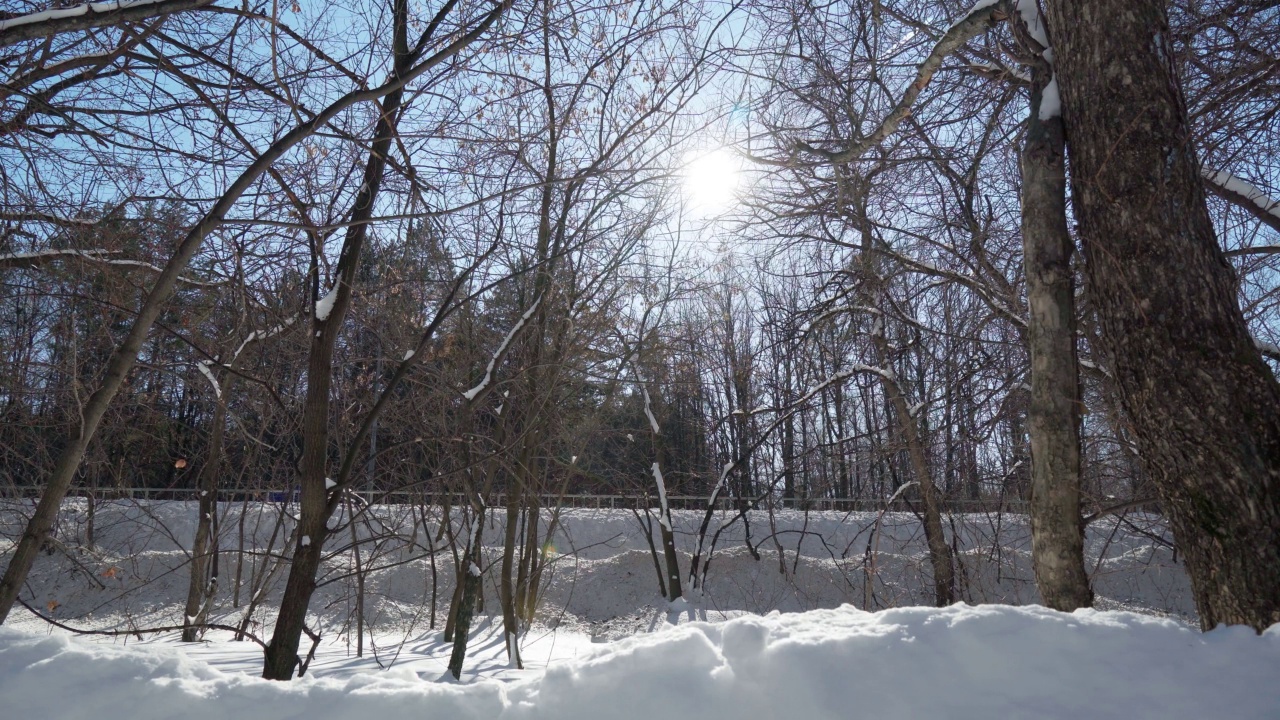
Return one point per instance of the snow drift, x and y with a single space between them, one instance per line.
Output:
959 662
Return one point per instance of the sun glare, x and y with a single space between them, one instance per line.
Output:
711 180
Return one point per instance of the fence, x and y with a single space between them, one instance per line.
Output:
406 497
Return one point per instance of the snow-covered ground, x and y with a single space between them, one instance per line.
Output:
604 644
982 662
601 577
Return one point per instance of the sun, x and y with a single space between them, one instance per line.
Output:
711 180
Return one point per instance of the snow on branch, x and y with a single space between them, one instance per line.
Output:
324 305
256 336
203 367
153 268
1000 72
87 16
40 257
25 216
663 517
502 349
1245 195
971 25
102 257
648 410
1268 350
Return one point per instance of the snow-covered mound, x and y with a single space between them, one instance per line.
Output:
959 662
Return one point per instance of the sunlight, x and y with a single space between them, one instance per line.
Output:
711 180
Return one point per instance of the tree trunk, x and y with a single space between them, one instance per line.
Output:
1205 407
1053 419
873 292
317 503
471 587
204 561
939 551
507 590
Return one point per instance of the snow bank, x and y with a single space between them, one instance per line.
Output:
959 662
601 575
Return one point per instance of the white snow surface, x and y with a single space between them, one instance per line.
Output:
959 662
606 644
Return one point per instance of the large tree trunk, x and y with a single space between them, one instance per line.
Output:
1204 406
1053 419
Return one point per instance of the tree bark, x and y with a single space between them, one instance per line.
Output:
469 581
1204 406
1053 418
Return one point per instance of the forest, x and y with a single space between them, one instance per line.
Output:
415 281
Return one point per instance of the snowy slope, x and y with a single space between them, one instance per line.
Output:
601 578
959 662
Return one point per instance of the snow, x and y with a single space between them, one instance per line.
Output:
601 571
493 361
1050 101
648 411
306 541
97 256
266 334
38 254
329 484
1013 71
978 6
408 355
75 11
203 366
606 644
662 496
1030 12
1234 184
324 305
957 662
